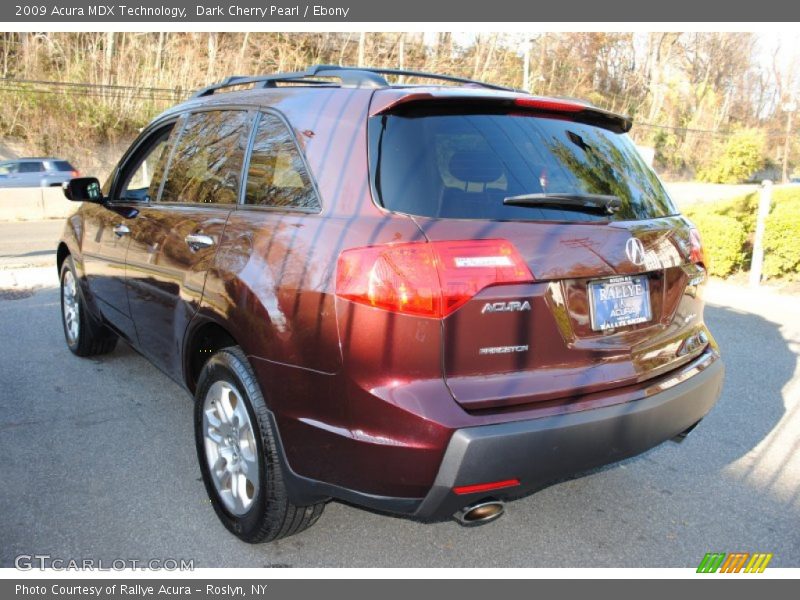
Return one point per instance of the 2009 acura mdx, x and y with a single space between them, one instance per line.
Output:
423 300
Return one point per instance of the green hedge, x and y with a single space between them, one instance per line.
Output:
782 241
723 242
728 228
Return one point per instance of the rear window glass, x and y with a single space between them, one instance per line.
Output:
464 165
62 165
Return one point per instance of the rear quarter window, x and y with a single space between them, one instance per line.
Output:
276 174
62 165
464 165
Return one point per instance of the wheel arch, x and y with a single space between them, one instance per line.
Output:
61 255
203 338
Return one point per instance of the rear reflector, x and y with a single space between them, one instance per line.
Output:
485 487
430 279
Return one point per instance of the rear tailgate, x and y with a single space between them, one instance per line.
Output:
613 298
523 343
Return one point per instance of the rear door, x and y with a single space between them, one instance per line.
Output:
612 298
174 238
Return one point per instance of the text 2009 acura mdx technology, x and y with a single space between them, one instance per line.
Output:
424 300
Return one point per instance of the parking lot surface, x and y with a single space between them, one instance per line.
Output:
98 461
29 243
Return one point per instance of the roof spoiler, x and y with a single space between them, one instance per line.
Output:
570 109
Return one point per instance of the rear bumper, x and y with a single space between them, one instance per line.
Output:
540 451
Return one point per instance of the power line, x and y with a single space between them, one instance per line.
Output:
106 86
90 94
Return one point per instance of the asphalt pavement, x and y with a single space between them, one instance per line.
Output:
98 461
29 243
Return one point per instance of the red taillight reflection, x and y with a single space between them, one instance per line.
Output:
485 487
550 105
697 255
430 279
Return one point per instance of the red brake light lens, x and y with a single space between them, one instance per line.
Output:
697 255
429 279
75 173
550 105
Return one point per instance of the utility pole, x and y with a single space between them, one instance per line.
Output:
790 107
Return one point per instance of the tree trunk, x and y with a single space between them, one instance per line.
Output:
212 57
362 42
160 50
108 56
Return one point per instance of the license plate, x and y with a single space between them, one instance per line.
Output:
619 301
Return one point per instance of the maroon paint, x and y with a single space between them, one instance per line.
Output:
364 398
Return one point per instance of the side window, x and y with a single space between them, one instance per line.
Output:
142 175
31 167
277 176
206 164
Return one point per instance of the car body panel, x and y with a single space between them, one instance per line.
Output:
103 253
165 277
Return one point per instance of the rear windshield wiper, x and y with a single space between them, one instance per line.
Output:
581 202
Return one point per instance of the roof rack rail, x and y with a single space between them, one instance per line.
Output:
349 76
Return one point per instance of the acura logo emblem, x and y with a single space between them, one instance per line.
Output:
635 251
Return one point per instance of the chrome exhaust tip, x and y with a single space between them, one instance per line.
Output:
480 513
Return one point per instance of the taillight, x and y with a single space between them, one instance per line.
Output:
696 254
430 279
75 174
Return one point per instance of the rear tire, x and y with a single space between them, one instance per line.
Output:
238 454
85 336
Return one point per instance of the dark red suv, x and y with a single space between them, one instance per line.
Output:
423 300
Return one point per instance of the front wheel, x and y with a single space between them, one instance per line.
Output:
238 454
84 335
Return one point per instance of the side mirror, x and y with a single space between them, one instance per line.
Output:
83 189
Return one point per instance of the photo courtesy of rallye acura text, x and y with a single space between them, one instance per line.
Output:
421 299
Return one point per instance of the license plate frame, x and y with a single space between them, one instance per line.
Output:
626 302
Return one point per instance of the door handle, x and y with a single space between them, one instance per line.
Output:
120 230
198 241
